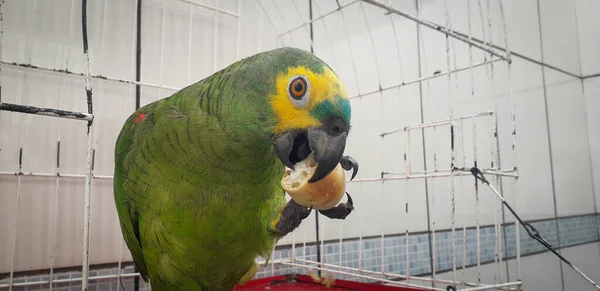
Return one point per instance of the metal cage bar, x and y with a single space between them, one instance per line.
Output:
296 261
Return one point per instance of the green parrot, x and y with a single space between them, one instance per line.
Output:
197 174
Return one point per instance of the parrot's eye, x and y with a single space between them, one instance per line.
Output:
298 89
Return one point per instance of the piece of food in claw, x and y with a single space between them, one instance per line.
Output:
321 195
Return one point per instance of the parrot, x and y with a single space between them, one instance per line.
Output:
197 174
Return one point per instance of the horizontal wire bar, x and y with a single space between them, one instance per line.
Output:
437 27
516 54
590 76
494 286
491 171
70 280
361 276
211 8
318 18
501 286
100 77
53 175
91 278
414 175
437 123
432 175
46 111
287 262
422 79
399 276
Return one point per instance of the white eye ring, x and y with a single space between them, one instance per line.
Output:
299 100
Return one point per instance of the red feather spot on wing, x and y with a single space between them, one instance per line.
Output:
140 117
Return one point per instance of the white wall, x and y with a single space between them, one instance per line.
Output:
591 89
589 36
557 146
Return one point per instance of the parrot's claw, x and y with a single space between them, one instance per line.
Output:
349 163
291 217
328 280
340 211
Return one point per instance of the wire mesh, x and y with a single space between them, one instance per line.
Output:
332 22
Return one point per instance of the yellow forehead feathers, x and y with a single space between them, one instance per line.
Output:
291 108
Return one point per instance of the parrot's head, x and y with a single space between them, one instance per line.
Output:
312 111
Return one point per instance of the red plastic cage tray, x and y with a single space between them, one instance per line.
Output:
304 282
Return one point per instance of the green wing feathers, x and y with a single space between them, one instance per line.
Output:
128 217
190 221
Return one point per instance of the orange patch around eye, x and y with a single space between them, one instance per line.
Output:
295 85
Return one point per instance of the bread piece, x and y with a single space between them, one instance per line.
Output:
321 195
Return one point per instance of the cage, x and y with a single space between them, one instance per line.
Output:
432 86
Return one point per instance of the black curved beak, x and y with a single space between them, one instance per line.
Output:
327 142
328 149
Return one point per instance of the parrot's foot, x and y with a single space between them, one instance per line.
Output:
291 217
328 280
340 211
249 275
348 163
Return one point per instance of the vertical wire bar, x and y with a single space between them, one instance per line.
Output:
514 131
64 60
1 38
343 18
341 12
280 43
293 249
319 230
306 27
88 191
407 171
474 134
191 27
340 246
397 46
239 28
92 139
28 54
383 220
215 38
134 40
399 89
334 64
423 62
260 13
483 34
405 157
88 166
162 48
309 31
273 262
495 153
362 8
452 152
304 256
408 165
407 263
456 83
464 210
16 207
433 234
280 37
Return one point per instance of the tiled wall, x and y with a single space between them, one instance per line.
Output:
572 231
